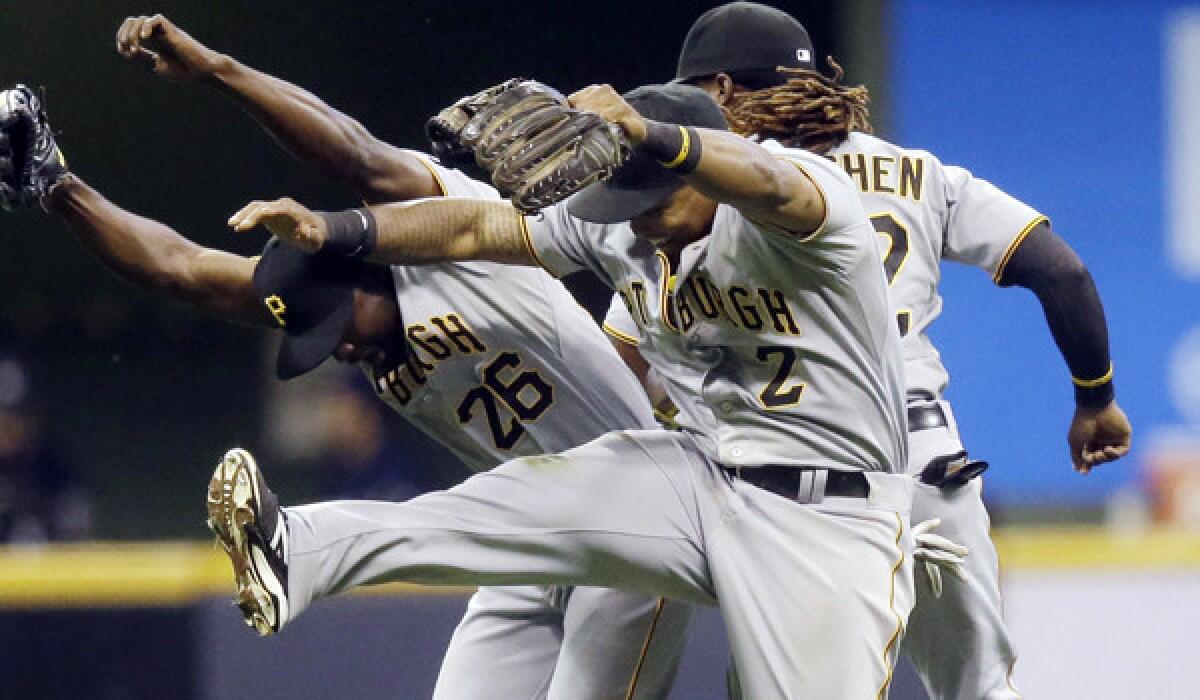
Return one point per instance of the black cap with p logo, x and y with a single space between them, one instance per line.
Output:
311 297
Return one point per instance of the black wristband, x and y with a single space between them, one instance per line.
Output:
675 147
1095 393
351 233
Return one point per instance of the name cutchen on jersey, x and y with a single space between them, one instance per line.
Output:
777 348
924 212
503 362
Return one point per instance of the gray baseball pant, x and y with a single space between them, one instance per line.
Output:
958 643
814 595
531 642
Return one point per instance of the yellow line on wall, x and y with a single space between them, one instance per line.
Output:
1095 547
123 574
173 573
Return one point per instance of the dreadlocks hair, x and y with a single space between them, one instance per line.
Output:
811 110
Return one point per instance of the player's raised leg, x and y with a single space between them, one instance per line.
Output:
532 520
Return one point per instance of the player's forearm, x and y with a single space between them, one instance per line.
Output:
1045 264
331 142
148 254
738 172
137 249
447 230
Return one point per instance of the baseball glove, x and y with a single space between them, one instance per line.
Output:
30 162
534 146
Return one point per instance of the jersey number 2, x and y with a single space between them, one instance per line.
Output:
527 396
774 395
888 226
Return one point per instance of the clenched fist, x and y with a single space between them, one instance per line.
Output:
167 49
1098 436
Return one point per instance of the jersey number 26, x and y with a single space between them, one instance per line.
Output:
526 396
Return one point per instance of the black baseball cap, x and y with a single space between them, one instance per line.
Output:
311 298
746 40
642 182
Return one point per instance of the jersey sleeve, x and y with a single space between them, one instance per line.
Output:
619 323
838 195
558 242
984 225
455 183
838 243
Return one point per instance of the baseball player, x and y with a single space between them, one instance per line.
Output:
924 212
778 501
503 364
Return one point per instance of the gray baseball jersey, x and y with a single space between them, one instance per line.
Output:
926 212
923 212
795 365
506 364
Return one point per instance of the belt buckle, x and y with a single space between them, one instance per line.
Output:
926 416
811 488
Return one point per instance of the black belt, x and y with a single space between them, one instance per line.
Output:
805 484
924 416
947 471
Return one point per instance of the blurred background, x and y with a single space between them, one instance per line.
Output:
114 405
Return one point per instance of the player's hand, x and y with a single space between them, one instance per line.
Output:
1097 436
286 218
608 103
937 553
167 49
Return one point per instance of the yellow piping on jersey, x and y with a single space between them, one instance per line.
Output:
619 335
533 251
637 670
1016 243
433 171
1093 383
824 202
666 286
899 620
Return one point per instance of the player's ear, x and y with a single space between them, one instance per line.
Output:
724 88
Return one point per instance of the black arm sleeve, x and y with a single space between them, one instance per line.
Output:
1046 265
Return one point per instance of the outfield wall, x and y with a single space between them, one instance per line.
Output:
1095 615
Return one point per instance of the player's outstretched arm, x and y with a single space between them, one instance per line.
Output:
728 169
1045 264
412 233
328 140
151 255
